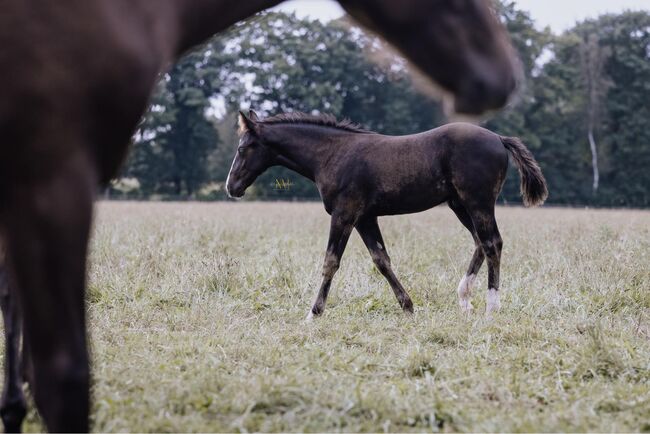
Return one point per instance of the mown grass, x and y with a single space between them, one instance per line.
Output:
196 315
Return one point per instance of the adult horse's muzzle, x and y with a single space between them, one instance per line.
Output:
459 44
485 88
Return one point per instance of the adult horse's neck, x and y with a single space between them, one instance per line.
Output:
200 19
305 148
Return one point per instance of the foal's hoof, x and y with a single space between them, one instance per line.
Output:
465 305
407 306
311 315
493 303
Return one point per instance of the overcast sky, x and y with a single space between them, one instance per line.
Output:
559 14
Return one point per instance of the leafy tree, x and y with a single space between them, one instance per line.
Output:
613 101
626 181
302 65
176 137
593 82
592 61
582 105
514 120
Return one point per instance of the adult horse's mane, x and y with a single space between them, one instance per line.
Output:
323 120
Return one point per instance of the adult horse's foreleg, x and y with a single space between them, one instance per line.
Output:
467 282
13 407
492 244
340 229
47 225
368 228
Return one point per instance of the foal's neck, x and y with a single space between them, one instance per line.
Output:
306 149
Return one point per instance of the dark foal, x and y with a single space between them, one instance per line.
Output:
77 76
362 175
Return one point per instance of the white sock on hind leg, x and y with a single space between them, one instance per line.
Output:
493 303
465 292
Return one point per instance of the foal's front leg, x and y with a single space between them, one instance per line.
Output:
340 229
368 228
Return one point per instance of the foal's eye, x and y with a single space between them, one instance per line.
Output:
240 151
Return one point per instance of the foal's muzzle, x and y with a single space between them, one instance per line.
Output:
235 190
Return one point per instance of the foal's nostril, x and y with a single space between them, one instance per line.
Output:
234 190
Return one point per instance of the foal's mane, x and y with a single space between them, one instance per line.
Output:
323 120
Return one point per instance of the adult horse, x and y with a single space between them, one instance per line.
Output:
361 175
76 78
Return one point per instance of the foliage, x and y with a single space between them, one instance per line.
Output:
175 137
565 101
593 78
308 66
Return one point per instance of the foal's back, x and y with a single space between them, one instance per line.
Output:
406 174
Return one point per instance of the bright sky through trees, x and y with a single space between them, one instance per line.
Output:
559 14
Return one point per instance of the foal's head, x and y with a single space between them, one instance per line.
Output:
253 157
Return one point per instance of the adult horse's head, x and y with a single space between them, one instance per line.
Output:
458 43
251 159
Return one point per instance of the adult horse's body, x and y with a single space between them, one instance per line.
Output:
76 78
362 175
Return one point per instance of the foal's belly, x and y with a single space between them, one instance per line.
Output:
411 197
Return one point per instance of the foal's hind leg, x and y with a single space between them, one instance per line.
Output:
371 235
13 407
467 282
492 244
340 229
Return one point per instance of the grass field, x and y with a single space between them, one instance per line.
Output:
196 315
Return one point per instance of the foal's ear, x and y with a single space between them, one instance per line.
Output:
253 116
246 124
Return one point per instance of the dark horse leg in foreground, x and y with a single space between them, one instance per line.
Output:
362 175
49 217
13 406
77 78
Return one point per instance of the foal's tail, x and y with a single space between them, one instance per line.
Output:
533 184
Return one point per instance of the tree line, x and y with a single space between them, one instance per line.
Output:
582 108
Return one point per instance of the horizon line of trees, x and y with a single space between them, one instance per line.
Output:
582 109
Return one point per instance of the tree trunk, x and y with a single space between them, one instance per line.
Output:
594 158
177 186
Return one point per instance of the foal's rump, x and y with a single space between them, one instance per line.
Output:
478 164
